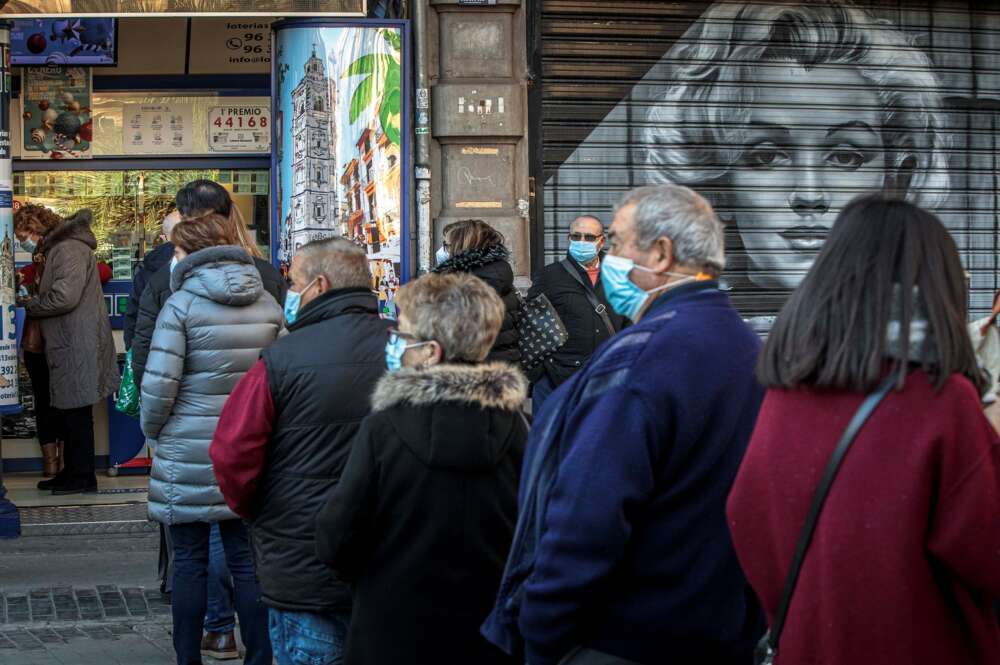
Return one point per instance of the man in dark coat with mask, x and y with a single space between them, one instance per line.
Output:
573 286
284 437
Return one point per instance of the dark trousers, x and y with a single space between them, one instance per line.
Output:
45 421
77 426
190 596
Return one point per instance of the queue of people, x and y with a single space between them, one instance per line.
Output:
382 497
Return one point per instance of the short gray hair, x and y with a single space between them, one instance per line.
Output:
344 264
460 312
682 215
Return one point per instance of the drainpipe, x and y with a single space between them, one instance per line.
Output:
422 159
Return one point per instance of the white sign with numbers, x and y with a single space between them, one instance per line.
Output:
239 128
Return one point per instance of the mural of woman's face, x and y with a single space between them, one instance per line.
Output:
813 143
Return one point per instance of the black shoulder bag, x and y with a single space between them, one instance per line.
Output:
767 649
599 307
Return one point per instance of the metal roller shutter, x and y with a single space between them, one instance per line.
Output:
780 113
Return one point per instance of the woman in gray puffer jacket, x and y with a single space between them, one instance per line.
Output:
208 335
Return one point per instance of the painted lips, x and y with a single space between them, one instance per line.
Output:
806 238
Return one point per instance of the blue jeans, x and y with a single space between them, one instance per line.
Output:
540 391
190 597
308 638
221 615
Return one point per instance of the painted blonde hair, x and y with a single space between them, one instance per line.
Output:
693 134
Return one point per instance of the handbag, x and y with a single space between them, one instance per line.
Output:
599 307
32 340
540 330
986 343
127 400
767 648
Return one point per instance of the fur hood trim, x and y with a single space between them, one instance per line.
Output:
76 227
489 386
474 258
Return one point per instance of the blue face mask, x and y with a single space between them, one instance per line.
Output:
28 245
583 251
442 255
293 300
395 349
623 295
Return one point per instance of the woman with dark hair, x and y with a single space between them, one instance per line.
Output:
473 246
79 351
197 199
906 553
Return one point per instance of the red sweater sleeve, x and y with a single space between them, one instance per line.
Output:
104 271
239 446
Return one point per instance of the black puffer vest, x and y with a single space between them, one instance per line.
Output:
322 377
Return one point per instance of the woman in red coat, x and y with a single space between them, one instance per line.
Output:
905 558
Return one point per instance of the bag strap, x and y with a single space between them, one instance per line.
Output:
588 290
805 537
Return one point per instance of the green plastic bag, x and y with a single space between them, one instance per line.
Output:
128 394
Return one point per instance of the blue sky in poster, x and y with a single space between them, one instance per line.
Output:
338 47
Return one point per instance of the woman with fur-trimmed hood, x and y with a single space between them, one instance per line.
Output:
424 513
475 247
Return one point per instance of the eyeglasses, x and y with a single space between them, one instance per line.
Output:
395 335
589 237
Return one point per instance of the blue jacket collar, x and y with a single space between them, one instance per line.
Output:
683 292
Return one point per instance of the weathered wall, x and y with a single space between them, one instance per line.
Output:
780 113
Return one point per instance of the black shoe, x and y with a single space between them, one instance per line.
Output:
76 485
60 478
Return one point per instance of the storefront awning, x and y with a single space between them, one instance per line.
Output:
79 8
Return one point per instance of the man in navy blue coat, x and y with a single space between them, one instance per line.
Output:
634 563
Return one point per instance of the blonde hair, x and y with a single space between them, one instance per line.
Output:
457 310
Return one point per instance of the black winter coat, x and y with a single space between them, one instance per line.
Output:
321 377
585 326
158 290
423 516
149 265
491 266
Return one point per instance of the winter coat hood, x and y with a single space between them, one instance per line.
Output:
446 406
76 227
224 274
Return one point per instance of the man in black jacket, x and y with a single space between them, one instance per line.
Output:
573 285
284 436
152 262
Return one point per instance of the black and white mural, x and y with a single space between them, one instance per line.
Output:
780 113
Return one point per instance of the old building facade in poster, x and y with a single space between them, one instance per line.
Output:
314 164
780 113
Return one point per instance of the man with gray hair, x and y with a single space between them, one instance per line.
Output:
284 436
622 552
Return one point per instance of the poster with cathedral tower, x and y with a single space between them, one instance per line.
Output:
339 109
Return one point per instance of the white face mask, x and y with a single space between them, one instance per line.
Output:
442 255
173 263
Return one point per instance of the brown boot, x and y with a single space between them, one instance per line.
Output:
50 459
220 646
62 456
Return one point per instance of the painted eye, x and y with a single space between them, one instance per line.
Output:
766 156
847 159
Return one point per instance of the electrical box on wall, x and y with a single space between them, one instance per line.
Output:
490 109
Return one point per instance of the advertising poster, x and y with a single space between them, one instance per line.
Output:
158 129
63 41
242 128
340 143
56 116
9 398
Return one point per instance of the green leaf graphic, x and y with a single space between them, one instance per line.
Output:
362 98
